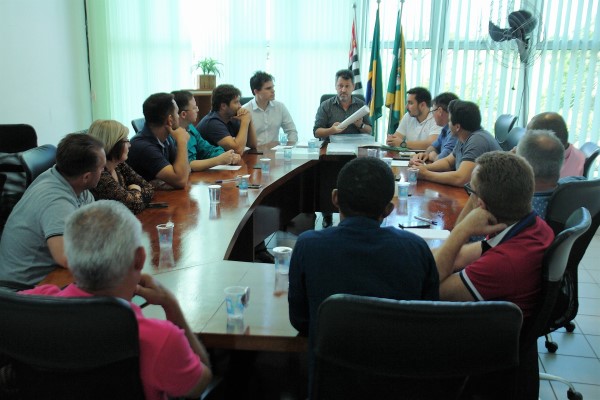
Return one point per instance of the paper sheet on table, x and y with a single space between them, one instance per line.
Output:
302 144
399 163
225 167
341 148
361 112
430 233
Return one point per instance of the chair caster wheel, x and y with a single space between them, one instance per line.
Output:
572 395
552 347
570 327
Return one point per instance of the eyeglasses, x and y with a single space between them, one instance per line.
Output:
469 189
437 108
125 140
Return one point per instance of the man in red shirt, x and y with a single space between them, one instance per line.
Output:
103 245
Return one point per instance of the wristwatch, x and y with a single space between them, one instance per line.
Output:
362 125
403 143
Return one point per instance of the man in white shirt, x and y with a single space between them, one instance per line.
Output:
417 129
268 115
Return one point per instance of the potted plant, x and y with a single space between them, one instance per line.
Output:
209 67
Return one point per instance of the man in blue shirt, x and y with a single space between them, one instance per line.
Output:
201 154
445 142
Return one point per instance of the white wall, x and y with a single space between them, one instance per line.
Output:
44 78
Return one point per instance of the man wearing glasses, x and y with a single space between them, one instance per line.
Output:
445 142
418 128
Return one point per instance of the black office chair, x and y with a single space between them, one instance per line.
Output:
37 160
70 348
513 138
17 137
565 200
2 182
244 100
503 126
591 167
372 348
138 124
543 319
330 95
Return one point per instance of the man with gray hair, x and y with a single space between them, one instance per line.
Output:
545 153
103 245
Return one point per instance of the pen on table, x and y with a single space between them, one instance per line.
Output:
227 180
429 221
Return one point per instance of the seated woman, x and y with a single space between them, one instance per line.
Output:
118 181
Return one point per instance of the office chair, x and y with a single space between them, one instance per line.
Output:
374 348
71 348
138 124
328 96
17 137
244 100
566 199
542 321
590 168
504 124
37 160
513 138
2 182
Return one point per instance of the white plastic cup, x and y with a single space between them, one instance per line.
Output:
282 257
412 174
265 165
403 190
243 185
165 235
313 145
287 154
236 300
214 194
388 161
283 139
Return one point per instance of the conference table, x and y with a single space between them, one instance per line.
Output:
213 245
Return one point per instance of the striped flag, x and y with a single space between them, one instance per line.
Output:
396 91
374 96
353 60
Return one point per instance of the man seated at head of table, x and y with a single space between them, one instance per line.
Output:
269 116
118 180
418 128
574 158
32 241
445 142
464 121
201 154
103 244
228 124
159 151
339 107
545 153
508 265
359 256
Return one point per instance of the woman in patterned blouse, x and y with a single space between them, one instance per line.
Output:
118 181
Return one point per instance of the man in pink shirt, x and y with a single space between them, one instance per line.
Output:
103 245
574 158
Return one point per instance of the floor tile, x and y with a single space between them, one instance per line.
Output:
584 276
546 391
573 369
570 344
589 290
589 306
595 274
589 392
588 325
595 343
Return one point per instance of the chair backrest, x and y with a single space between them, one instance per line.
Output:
2 182
330 95
17 137
378 348
513 138
554 265
37 160
71 348
244 100
138 124
504 124
591 151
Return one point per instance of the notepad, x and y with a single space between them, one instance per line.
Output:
441 234
225 167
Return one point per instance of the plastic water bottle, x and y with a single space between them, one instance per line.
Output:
283 139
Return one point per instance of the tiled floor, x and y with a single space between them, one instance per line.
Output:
578 356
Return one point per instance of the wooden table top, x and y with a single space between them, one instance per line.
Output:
205 240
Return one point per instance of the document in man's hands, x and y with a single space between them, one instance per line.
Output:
364 110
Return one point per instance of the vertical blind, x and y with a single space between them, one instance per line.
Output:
138 47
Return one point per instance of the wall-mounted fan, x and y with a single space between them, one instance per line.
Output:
516 40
